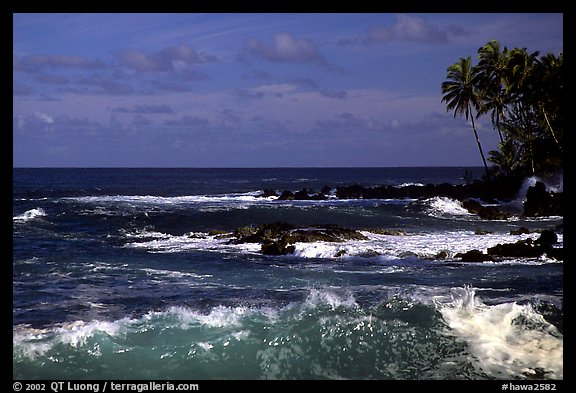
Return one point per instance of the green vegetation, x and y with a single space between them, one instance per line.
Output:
523 94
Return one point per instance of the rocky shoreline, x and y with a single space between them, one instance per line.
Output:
528 248
480 198
539 202
279 238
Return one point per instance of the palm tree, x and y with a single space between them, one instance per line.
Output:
461 94
491 71
519 72
520 87
546 90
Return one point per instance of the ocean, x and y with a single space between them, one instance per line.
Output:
125 274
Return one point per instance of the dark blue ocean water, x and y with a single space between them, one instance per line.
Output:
116 274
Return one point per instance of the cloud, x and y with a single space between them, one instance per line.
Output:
140 121
230 116
271 90
246 94
192 75
305 82
107 86
258 75
274 89
343 122
170 87
43 117
39 122
53 79
177 58
33 63
149 109
272 125
285 49
188 121
340 94
406 28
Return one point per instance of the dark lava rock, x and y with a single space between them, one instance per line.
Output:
286 196
389 232
323 233
520 249
244 233
547 237
474 256
540 202
520 231
556 253
268 193
279 247
504 188
278 238
484 212
262 233
530 249
302 195
307 195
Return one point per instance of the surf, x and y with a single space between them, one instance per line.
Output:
329 334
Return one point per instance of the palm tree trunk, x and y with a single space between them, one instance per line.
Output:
498 128
550 127
478 140
500 118
524 116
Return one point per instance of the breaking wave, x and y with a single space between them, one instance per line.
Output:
327 335
30 215
377 246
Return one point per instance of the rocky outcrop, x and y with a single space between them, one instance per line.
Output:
540 202
279 238
527 248
266 193
501 189
520 249
387 232
474 256
484 212
520 231
302 195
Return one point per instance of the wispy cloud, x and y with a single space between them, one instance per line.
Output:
107 86
188 122
285 48
406 28
149 109
339 94
33 63
262 91
176 58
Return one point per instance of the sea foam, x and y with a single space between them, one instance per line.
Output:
442 207
325 334
379 247
30 215
508 339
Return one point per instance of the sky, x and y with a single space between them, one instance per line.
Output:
252 89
